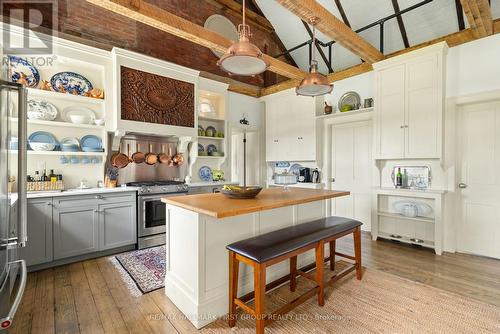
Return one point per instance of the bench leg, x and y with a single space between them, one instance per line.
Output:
234 267
320 267
293 273
259 277
357 252
332 255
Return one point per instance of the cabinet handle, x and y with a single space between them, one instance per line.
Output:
49 204
98 197
402 127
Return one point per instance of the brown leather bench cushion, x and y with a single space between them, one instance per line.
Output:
268 246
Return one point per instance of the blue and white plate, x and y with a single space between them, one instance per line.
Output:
205 173
91 143
70 82
201 148
41 110
70 144
211 148
42 141
19 65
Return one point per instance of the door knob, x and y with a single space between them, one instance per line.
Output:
462 185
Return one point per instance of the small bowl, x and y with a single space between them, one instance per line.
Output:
80 119
99 121
63 160
35 146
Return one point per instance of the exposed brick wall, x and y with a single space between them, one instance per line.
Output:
102 28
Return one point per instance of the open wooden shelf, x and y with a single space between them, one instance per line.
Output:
62 124
211 138
34 92
345 113
61 153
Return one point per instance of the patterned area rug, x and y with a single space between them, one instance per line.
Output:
145 268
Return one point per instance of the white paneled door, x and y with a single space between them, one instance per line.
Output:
479 179
352 165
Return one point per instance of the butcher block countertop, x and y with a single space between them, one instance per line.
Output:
219 206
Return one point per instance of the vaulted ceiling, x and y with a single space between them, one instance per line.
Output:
432 20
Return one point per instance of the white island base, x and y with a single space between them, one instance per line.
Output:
197 260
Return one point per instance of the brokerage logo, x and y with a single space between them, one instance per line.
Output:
31 15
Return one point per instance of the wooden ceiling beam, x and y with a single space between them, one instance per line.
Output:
161 19
333 28
478 13
452 40
252 17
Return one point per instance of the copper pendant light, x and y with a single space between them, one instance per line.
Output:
243 57
315 83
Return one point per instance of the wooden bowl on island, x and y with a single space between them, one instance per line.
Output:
238 192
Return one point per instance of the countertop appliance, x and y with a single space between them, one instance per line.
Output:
151 218
13 273
305 174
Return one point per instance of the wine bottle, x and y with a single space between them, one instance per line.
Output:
399 179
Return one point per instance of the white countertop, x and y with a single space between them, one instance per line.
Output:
308 185
74 192
209 184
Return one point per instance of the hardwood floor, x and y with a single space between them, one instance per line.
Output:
90 296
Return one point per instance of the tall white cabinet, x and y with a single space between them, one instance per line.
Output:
409 103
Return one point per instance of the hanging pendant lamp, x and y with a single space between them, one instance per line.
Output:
315 83
243 57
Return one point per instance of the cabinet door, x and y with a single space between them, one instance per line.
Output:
117 225
75 231
272 130
390 106
423 108
39 230
303 132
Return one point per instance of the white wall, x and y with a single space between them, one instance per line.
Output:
362 84
474 67
251 107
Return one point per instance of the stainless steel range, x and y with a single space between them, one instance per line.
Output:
151 211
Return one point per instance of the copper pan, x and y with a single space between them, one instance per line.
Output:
163 157
119 160
151 158
138 157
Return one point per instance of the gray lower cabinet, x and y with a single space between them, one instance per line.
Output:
76 231
68 226
39 229
117 225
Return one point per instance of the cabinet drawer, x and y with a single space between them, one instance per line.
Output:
94 199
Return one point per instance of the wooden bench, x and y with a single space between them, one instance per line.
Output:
267 249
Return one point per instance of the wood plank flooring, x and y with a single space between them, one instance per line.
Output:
90 296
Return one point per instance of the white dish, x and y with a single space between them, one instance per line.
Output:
78 115
423 209
99 121
42 146
41 110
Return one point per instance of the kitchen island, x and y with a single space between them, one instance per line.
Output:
200 226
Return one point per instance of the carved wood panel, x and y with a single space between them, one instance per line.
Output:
152 98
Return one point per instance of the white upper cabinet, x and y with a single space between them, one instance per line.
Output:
291 128
409 104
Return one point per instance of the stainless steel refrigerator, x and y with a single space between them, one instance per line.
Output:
12 198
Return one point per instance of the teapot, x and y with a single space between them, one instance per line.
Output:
328 109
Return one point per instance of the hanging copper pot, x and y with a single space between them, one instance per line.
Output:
138 157
151 158
178 159
163 157
119 160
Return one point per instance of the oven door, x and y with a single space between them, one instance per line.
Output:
152 214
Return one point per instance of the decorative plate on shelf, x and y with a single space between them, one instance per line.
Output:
20 65
70 82
91 143
423 209
211 148
41 110
295 169
70 144
349 99
201 148
42 141
210 131
205 173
